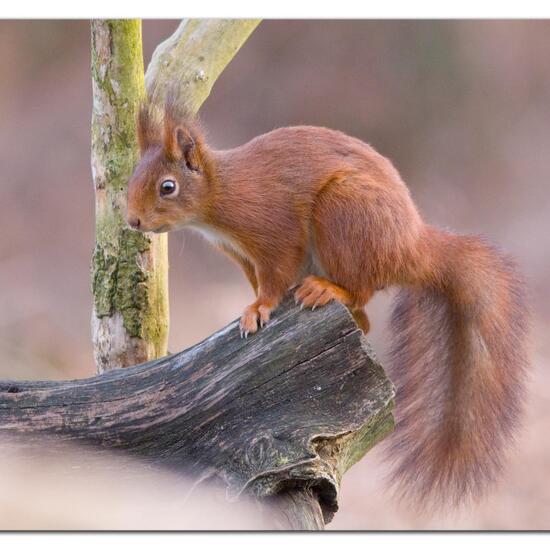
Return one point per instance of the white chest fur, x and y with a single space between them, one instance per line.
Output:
217 237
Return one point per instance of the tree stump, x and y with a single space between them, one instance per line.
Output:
279 416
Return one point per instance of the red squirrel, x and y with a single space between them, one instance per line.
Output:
317 208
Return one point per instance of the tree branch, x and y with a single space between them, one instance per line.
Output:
280 415
195 56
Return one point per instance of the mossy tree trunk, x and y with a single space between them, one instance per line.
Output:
129 269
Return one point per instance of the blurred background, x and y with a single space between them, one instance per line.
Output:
462 108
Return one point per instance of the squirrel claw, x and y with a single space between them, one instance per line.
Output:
253 318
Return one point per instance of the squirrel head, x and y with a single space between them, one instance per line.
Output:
170 185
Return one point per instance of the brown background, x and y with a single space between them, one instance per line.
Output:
462 108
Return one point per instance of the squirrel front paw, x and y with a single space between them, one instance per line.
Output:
252 315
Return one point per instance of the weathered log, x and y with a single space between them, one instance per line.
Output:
296 509
280 415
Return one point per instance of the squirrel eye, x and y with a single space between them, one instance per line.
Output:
167 187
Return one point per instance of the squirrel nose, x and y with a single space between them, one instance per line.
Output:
134 222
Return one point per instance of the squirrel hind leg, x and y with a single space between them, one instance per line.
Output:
361 318
318 291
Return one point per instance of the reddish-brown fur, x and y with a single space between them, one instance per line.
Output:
315 207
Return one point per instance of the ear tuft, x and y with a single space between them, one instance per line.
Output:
147 126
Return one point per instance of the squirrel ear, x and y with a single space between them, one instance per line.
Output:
188 149
178 139
180 145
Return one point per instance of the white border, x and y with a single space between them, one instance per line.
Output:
305 9
268 541
340 9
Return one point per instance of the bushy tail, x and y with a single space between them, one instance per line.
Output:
459 360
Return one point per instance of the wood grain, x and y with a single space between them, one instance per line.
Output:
288 409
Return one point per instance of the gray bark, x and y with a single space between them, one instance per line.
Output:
279 416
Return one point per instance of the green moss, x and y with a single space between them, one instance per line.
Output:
282 460
368 436
129 269
120 282
131 296
104 269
